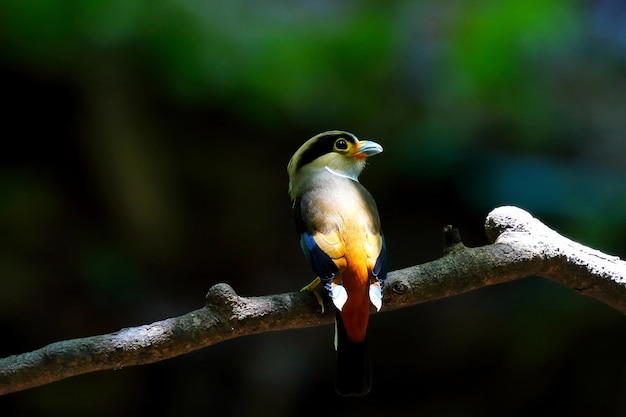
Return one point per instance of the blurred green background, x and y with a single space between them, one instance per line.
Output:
144 157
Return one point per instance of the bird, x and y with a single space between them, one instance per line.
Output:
340 234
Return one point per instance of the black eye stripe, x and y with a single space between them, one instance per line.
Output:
323 145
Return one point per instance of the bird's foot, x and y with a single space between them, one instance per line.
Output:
313 288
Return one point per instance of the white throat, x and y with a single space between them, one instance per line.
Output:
341 174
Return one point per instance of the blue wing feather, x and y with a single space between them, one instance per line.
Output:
380 267
321 263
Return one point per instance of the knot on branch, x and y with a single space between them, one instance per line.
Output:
222 297
399 287
452 240
507 219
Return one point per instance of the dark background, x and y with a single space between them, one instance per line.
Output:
144 157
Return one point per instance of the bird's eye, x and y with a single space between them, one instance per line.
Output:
341 144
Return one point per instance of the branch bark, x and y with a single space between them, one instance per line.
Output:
521 246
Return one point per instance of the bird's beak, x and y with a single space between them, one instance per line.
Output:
365 148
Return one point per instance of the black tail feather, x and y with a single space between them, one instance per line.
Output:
354 377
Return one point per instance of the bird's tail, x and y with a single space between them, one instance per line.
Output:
354 377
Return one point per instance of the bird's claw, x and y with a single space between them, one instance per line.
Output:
313 287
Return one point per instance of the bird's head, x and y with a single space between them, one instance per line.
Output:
338 152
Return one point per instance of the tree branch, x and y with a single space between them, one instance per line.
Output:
522 246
